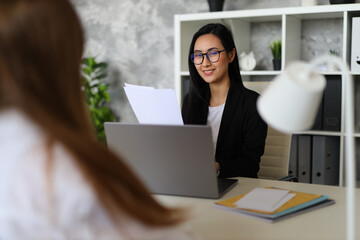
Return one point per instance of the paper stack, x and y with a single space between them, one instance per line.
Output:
273 204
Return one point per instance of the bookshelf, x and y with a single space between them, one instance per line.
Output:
288 25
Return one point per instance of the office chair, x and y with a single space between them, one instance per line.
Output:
274 163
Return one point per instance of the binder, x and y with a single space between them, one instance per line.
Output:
325 160
357 123
304 158
332 104
293 161
318 124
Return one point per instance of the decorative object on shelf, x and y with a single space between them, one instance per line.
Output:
97 95
306 3
276 52
216 5
300 87
331 66
247 61
341 1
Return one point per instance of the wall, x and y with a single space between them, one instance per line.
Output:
136 38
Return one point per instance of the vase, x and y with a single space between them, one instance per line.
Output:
277 64
341 1
216 5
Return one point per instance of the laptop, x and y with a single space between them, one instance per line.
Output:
170 159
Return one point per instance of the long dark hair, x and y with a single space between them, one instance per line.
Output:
199 90
41 46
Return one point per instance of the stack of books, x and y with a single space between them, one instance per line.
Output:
289 204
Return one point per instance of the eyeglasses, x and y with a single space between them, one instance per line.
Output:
213 56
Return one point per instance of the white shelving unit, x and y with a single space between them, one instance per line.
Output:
288 22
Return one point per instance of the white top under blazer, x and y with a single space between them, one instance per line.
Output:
214 120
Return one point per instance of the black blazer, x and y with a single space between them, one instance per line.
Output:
242 132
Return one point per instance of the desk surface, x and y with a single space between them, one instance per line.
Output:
213 223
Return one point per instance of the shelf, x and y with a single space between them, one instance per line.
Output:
313 12
329 73
265 73
320 133
325 133
244 73
185 73
260 73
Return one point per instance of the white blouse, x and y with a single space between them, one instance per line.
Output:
214 120
40 201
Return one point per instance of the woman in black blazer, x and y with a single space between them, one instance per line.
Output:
217 97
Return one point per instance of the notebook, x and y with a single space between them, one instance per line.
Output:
170 159
300 203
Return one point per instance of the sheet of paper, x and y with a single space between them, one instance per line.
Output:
264 199
127 85
283 201
154 106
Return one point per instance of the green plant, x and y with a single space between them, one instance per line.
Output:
333 52
276 49
97 95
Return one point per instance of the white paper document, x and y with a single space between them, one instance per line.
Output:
265 199
154 106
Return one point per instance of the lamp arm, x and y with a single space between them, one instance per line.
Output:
349 139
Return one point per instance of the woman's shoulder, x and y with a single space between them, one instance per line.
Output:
250 93
243 93
42 192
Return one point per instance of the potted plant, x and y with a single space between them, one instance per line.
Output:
276 52
331 66
97 95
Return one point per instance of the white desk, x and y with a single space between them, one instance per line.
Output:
212 223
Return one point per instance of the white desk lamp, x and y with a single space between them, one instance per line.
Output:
290 103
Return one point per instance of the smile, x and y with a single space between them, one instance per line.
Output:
208 72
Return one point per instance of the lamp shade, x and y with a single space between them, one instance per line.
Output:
290 103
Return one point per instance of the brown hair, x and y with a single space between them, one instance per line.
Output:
41 45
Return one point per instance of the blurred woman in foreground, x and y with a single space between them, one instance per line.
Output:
56 180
